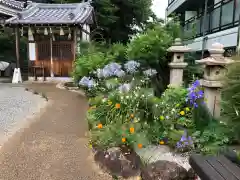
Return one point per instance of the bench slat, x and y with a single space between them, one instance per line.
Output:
233 168
204 170
221 168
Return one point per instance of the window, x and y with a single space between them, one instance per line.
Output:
215 18
227 13
198 26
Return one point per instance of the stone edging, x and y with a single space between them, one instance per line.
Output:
61 85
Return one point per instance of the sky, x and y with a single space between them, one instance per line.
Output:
159 7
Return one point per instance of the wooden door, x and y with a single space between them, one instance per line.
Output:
62 58
43 53
62 54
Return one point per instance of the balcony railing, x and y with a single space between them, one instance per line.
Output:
221 16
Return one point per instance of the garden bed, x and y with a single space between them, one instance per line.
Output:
131 103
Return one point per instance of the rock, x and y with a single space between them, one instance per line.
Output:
164 170
120 162
152 154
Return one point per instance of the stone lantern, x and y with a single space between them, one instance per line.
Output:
177 64
214 72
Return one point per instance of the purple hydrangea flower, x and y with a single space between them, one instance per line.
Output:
194 93
185 141
131 66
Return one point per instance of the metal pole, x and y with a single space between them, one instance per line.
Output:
204 27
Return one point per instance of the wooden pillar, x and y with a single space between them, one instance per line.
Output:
17 37
74 43
51 56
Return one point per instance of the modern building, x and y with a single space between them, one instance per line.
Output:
220 23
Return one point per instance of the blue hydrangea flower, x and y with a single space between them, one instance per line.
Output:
112 69
150 72
124 88
120 73
87 82
131 66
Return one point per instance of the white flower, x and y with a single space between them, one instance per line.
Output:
100 73
150 72
104 100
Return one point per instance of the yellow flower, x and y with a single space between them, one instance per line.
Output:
139 146
187 109
131 130
161 118
109 103
123 140
161 142
182 113
117 106
90 146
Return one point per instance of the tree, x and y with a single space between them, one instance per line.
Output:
117 18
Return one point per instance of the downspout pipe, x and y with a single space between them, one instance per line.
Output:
204 27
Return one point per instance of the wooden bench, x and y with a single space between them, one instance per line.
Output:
214 167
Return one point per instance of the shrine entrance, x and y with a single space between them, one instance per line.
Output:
54 31
62 57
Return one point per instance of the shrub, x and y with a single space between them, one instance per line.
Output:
150 49
231 98
119 118
96 56
118 51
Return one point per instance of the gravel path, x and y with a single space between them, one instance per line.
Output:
16 108
54 146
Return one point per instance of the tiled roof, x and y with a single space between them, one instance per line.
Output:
40 13
13 4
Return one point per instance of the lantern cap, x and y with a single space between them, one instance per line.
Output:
216 56
178 47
